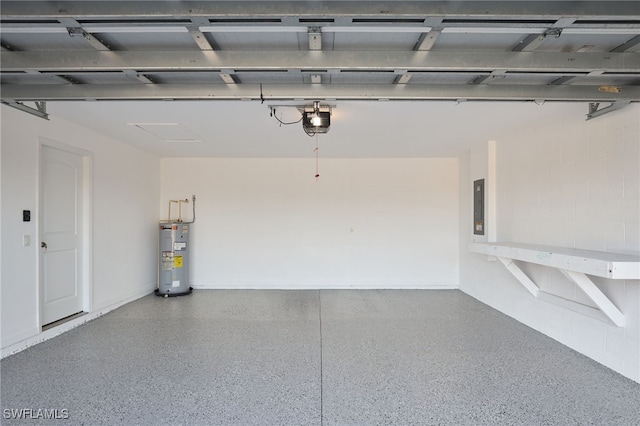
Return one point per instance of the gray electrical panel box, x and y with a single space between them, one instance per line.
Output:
478 207
173 263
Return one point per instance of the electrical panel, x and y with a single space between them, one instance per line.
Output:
478 207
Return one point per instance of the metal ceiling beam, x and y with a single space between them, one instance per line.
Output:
89 38
533 41
74 29
200 39
459 26
42 92
134 75
427 40
530 43
380 9
629 44
563 80
481 79
64 61
198 36
227 78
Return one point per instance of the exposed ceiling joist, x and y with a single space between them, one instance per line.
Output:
75 29
198 36
629 44
427 40
188 9
134 75
351 50
328 60
200 39
533 41
484 78
516 26
316 91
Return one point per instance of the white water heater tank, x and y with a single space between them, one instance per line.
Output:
173 263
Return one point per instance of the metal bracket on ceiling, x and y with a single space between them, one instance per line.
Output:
93 41
39 111
315 38
552 32
596 111
76 31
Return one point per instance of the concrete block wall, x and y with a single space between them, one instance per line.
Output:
572 183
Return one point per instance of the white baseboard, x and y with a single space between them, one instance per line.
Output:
328 286
69 325
10 339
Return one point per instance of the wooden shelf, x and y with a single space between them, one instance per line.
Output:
574 264
600 264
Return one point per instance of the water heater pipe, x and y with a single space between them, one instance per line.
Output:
169 213
186 200
179 202
193 209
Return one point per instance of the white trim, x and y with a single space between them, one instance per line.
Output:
24 334
87 232
63 146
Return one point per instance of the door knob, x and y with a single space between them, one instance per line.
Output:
43 245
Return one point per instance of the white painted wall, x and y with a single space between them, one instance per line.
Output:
482 166
366 223
126 188
564 182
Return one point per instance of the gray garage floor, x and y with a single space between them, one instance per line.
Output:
313 357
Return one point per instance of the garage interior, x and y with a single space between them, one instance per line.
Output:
455 241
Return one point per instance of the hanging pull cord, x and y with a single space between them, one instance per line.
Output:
317 160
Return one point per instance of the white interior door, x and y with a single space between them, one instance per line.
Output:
61 233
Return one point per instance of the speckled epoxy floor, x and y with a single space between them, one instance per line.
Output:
332 357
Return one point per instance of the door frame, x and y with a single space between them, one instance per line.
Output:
87 237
